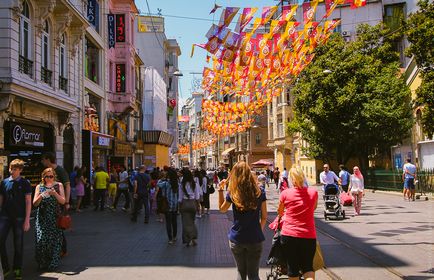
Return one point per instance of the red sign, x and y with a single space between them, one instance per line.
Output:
120 28
120 77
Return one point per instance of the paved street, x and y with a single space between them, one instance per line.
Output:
392 239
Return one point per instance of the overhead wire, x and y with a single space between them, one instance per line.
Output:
153 27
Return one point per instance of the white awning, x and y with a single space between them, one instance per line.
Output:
227 152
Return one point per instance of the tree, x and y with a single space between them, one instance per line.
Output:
419 29
359 109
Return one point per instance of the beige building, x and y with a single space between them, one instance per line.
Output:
41 82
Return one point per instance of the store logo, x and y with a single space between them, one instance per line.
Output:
20 134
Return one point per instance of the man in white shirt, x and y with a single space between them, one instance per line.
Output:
285 173
328 177
409 171
122 189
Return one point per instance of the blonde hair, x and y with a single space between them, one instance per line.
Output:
297 176
47 170
243 187
16 163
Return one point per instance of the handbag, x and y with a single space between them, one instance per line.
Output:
64 221
318 259
210 189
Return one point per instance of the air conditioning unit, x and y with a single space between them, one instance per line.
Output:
346 33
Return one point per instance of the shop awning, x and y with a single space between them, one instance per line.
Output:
227 151
262 162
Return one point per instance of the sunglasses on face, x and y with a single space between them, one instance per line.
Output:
49 176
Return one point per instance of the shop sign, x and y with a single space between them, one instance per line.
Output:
123 149
91 11
103 141
120 28
111 30
120 77
26 135
91 118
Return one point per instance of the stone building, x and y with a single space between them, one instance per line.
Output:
41 81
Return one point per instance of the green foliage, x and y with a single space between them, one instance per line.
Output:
419 29
362 106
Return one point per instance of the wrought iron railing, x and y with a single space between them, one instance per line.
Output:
25 66
63 83
46 75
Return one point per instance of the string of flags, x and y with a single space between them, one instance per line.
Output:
251 65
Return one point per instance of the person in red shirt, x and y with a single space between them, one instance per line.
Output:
298 234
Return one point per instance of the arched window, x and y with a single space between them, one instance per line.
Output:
25 41
63 58
45 54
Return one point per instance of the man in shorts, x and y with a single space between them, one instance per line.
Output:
408 176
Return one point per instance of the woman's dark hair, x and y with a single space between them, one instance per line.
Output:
204 176
187 177
198 174
79 172
173 179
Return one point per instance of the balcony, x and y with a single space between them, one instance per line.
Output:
26 66
46 76
63 83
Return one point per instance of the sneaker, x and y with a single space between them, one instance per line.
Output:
198 216
171 242
124 209
112 208
193 242
18 274
174 239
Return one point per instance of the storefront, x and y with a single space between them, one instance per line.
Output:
28 140
122 154
96 149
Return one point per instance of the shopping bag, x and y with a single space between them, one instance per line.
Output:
318 260
346 199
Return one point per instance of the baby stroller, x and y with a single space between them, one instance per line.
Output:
279 269
332 204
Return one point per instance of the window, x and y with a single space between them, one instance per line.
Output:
288 97
46 73
280 130
92 61
338 27
63 81
25 41
393 15
258 138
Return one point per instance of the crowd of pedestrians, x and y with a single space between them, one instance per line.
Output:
167 193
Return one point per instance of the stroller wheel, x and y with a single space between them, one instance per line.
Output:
325 215
343 215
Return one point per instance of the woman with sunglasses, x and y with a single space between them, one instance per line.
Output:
48 195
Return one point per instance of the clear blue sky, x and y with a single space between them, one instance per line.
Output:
188 32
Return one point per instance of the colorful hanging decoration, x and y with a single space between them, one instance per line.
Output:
248 68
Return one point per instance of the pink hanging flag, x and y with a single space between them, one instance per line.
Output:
245 18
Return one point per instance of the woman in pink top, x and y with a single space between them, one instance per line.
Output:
297 205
